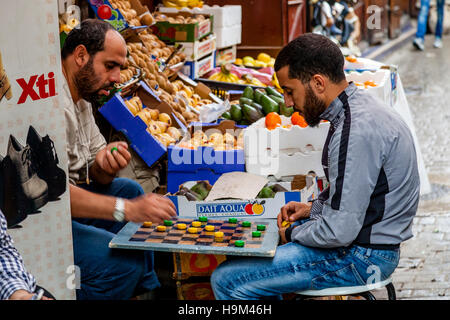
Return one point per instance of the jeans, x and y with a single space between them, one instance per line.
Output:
106 273
423 16
295 267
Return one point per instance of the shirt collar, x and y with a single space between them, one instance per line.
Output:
336 106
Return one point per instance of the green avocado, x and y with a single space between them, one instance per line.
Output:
250 113
276 98
286 111
248 93
266 192
227 115
269 105
273 91
258 93
244 100
236 112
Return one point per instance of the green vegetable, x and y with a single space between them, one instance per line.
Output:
269 105
273 91
227 115
236 112
248 92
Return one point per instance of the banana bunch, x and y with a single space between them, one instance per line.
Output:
182 3
225 75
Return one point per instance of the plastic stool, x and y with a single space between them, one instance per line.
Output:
363 291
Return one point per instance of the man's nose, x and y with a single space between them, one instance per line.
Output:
288 101
114 76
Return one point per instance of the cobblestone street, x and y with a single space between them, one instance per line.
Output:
424 268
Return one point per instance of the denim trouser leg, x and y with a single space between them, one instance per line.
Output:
295 267
422 19
110 273
440 18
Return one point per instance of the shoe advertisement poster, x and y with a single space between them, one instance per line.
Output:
34 194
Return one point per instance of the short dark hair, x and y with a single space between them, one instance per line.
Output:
91 34
311 54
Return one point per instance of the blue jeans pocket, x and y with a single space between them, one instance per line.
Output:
344 277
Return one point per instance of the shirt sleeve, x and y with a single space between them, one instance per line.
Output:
342 214
13 275
97 141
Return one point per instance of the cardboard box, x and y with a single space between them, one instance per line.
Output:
381 77
118 115
182 32
198 49
204 163
284 152
225 16
104 11
226 55
268 207
196 69
228 36
193 264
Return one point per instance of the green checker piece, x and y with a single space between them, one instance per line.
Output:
232 220
246 224
203 219
261 227
239 243
168 222
256 234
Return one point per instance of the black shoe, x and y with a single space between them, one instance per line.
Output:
31 191
45 157
9 200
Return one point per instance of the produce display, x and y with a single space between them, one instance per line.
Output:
225 75
240 75
255 104
146 55
365 84
130 15
216 140
201 190
263 60
179 4
159 125
159 16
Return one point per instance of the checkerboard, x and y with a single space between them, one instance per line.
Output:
138 236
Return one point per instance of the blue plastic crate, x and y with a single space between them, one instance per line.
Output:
203 163
118 115
175 178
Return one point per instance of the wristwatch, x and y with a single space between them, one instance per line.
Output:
119 210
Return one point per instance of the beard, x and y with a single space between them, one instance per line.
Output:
313 107
86 79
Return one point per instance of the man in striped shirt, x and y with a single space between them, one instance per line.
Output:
15 282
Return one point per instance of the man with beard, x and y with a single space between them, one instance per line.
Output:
100 203
351 234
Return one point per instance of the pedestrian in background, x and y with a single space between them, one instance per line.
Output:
419 41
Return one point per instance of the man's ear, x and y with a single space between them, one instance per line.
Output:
318 83
80 55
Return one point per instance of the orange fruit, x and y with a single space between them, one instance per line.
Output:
370 83
298 120
273 120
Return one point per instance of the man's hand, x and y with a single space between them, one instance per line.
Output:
24 295
150 207
292 212
113 158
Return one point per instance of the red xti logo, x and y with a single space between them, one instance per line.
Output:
28 87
